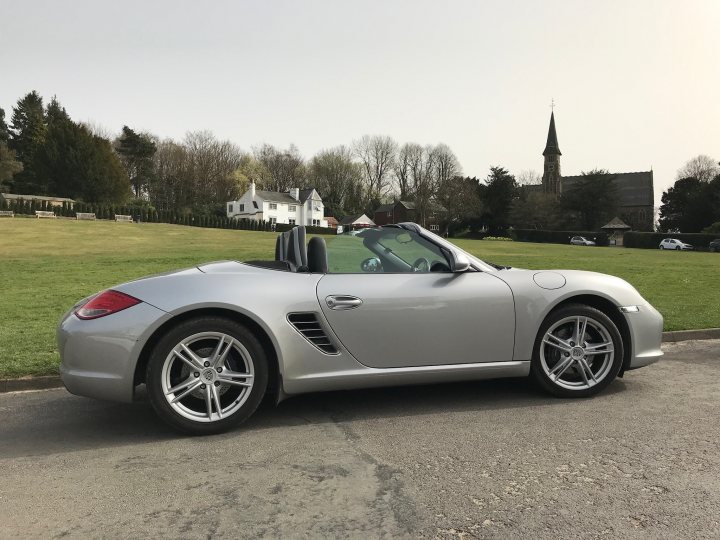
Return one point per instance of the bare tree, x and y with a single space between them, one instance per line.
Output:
377 157
702 167
170 187
529 178
200 174
402 171
335 176
285 167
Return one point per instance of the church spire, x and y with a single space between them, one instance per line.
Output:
552 146
551 179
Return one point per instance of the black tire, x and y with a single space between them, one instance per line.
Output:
537 371
161 352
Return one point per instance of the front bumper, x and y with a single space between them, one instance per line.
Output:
646 326
98 356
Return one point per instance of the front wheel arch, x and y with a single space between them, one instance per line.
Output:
613 312
274 379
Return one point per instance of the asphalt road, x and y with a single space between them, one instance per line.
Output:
492 459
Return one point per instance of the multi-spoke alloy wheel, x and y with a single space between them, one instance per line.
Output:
206 375
579 351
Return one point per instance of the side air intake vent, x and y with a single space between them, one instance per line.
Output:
309 326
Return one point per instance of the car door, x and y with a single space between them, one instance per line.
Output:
403 319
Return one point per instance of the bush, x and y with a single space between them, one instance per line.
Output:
558 237
498 239
712 229
647 240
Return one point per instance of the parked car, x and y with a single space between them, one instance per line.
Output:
385 306
715 245
581 241
673 243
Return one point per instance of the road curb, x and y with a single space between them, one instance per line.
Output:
30 383
687 335
54 381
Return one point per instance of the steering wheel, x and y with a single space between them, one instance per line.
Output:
421 265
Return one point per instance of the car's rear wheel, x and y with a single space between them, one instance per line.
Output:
206 375
577 353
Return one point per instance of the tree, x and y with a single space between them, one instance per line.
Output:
498 193
460 200
529 178
592 200
536 210
690 205
702 167
212 165
9 166
285 169
136 151
401 169
170 187
4 131
377 155
83 166
335 176
27 137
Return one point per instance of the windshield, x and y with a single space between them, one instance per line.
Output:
363 250
479 264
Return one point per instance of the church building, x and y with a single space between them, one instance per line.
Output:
634 189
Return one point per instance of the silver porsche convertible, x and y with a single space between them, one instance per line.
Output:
381 306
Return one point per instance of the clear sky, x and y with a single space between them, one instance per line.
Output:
636 83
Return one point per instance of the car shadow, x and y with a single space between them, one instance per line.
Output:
52 422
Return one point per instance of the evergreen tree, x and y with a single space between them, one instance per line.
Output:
497 194
136 152
78 164
28 131
9 166
4 132
592 199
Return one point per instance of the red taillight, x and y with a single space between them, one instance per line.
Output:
106 303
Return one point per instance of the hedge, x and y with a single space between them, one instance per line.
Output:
151 215
648 240
557 237
310 229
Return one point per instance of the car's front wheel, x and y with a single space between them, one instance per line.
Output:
206 375
577 353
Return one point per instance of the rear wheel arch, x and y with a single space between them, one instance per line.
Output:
274 379
611 310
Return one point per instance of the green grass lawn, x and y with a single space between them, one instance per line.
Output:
45 266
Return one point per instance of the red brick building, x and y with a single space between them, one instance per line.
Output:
400 211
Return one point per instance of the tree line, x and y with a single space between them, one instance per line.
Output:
692 204
44 152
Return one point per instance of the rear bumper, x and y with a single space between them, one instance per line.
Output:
646 335
98 357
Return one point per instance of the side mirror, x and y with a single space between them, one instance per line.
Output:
458 262
371 264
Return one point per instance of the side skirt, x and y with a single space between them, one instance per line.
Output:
373 377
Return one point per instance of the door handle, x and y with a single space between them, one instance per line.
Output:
341 302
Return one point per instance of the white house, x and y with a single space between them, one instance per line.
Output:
296 207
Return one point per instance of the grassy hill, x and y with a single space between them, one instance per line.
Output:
45 266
